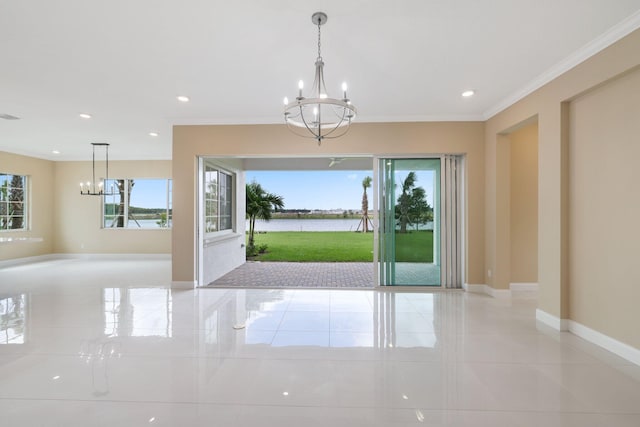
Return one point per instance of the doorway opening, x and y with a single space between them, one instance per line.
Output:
416 229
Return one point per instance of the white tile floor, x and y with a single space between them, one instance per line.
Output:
107 343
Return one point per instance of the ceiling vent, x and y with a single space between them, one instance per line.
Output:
9 117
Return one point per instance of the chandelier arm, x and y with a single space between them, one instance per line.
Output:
347 112
296 129
337 126
307 125
319 124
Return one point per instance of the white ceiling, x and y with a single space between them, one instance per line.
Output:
125 61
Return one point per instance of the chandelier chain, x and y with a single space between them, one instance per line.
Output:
319 23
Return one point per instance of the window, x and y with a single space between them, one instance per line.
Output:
138 203
218 199
13 202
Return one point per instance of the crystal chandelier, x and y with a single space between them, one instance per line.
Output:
93 188
319 116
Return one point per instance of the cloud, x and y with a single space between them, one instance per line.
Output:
352 176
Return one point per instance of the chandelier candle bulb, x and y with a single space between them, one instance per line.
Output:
344 90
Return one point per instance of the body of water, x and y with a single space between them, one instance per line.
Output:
307 225
315 225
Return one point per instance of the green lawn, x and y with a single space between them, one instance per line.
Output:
316 246
414 246
340 246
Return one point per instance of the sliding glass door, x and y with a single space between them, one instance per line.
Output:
409 222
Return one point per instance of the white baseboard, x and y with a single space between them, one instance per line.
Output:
515 289
552 321
477 289
53 257
498 293
487 290
524 287
27 260
187 285
623 350
124 257
619 348
524 290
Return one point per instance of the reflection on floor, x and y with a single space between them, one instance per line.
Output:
417 273
109 343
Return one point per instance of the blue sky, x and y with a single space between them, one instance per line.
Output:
149 193
301 189
325 189
315 189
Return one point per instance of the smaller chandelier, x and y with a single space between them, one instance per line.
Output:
93 188
318 116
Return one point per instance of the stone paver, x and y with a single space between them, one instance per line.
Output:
299 275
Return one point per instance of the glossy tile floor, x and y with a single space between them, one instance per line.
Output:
108 343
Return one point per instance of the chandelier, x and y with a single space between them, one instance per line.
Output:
93 188
319 116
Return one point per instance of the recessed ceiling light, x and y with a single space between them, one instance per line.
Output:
85 115
468 93
55 152
153 133
182 98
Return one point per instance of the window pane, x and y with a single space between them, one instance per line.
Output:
13 202
114 204
148 203
218 199
170 203
138 203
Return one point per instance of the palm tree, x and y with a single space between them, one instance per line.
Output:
366 183
260 205
119 220
403 207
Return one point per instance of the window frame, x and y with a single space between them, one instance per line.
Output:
26 204
228 198
168 204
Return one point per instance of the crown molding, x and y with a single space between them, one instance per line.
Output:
615 33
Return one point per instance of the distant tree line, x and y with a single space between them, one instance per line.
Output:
112 207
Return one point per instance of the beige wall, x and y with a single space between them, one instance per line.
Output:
604 209
77 218
551 106
524 204
40 173
363 139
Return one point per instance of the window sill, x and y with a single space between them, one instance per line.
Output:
137 229
210 241
8 240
